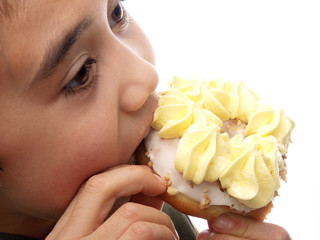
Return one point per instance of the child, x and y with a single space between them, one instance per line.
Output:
77 82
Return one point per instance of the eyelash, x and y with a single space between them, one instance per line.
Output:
123 22
83 80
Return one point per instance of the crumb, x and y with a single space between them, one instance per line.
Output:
191 184
205 205
205 190
238 122
234 128
283 174
167 180
168 183
221 188
172 191
150 164
167 177
228 126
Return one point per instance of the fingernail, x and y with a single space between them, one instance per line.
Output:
177 235
204 235
223 223
156 175
146 167
160 179
211 236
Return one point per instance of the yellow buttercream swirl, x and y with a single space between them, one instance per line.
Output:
248 164
253 175
202 153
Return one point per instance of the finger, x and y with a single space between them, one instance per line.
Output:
204 235
63 219
147 231
224 237
147 200
118 203
97 196
248 228
129 215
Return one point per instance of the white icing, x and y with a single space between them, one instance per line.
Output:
162 153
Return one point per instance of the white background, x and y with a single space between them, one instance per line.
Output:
274 47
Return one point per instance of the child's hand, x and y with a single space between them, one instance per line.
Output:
235 227
84 218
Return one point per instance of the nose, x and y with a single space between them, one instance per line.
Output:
139 79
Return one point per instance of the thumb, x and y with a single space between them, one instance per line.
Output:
204 235
248 228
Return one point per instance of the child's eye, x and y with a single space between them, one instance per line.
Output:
118 15
82 80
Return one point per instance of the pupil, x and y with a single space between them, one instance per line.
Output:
82 72
117 13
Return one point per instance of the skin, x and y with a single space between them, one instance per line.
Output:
69 130
52 143
235 227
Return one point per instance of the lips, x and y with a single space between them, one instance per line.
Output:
149 109
152 103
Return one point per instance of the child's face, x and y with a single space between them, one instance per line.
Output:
76 79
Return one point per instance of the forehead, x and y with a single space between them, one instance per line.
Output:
34 18
15 13
28 27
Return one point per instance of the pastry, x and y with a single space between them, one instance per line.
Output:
218 148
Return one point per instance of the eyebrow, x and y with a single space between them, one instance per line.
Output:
59 50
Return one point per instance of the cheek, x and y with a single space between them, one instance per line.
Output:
79 159
49 173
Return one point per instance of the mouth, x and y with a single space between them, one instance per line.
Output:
132 159
145 132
